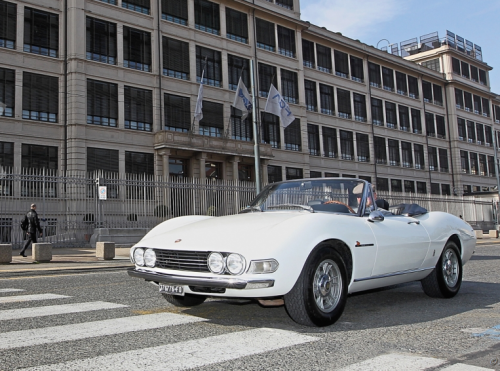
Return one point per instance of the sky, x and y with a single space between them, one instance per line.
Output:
371 21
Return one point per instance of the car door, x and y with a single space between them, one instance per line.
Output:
402 244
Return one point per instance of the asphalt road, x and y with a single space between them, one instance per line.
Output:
107 320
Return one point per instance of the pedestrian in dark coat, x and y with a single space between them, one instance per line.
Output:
32 227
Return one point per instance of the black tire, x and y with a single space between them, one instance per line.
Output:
187 300
300 302
446 279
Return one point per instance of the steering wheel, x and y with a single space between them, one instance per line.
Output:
340 203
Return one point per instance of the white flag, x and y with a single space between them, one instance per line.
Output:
242 100
198 113
278 106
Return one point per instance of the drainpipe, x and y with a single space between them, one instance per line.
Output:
65 143
159 63
449 139
373 129
426 139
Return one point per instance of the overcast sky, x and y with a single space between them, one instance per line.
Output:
370 21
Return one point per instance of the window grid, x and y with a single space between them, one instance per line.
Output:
207 16
8 22
330 146
177 113
327 99
175 58
344 103
242 129
212 123
289 86
175 11
310 92
40 97
236 26
324 56
286 41
41 32
136 49
313 139
270 130
212 66
293 138
141 6
346 145
7 92
101 41
363 148
102 103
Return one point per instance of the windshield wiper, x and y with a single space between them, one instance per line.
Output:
287 206
250 209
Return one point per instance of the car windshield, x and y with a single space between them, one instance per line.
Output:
334 195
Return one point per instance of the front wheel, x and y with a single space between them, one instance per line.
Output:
319 296
187 300
446 279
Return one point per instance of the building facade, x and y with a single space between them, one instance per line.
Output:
112 85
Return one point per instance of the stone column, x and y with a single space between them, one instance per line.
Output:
235 161
165 156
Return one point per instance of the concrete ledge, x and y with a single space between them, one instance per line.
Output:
493 233
42 252
122 237
479 234
105 250
5 253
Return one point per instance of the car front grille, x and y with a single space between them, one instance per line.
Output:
193 261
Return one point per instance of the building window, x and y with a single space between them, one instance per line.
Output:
102 103
286 41
474 74
477 105
437 91
459 98
308 54
474 168
455 65
141 6
380 150
40 97
238 67
341 64
435 189
212 123
293 173
445 190
175 58
482 77
390 115
432 64
244 172
105 160
311 100
101 41
433 160
374 75
382 184
136 49
464 161
289 86
324 55
331 175
443 160
7 92
41 32
469 106
465 70
388 78
207 17
416 122
413 87
177 167
287 4
175 11
486 107
210 61
480 133
293 137
359 107
488 136
440 127
401 85
418 151
346 145
363 147
491 166
8 25
138 109
429 125
396 185
330 146
327 99
497 114
271 130
404 118
242 129
177 113
357 73
461 129
236 26
483 171
314 174
394 158
274 174
427 90
139 163
406 154
267 76
344 103
409 186
471 132
313 139
377 112
265 35
421 187
6 164
139 167
38 159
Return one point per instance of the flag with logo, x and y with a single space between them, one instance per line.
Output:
198 111
278 106
242 100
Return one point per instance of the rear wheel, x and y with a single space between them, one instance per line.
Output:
187 300
319 296
446 279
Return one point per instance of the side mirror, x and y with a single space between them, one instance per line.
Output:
376 216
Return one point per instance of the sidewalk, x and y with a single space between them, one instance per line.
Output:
64 260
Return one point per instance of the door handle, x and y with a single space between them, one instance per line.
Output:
414 221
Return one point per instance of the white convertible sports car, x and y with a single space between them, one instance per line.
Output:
308 243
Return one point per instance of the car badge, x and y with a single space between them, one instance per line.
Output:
179 240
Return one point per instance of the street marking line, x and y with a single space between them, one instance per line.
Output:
464 367
21 298
395 362
47 335
189 354
9 290
52 310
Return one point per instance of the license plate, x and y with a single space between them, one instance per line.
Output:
172 290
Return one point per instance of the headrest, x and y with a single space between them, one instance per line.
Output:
358 189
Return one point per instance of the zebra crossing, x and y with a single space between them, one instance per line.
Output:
181 355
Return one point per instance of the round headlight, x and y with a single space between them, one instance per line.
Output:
216 262
149 258
235 264
139 257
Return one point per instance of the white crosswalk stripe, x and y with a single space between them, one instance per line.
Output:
9 290
21 298
193 353
56 309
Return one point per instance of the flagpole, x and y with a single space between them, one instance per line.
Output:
256 148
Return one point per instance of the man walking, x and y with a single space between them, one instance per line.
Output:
32 226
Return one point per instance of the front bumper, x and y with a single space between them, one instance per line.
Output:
218 282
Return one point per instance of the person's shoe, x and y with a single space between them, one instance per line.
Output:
23 254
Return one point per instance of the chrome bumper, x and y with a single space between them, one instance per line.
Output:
227 282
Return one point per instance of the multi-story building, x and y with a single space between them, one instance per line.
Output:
112 85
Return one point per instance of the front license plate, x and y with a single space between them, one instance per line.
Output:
172 290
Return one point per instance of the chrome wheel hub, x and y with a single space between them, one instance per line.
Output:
327 285
451 269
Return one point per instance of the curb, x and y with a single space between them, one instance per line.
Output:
61 270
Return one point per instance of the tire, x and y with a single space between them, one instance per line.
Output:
446 279
314 300
187 300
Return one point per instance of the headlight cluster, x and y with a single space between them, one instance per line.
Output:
143 257
232 263
263 266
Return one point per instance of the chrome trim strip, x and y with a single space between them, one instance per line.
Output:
222 282
392 274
